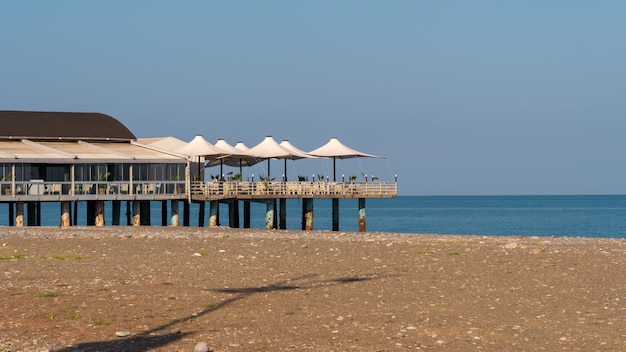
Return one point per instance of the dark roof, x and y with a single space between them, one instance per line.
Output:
61 125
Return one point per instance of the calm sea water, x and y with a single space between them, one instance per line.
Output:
588 216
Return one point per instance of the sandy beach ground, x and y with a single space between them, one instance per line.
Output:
167 289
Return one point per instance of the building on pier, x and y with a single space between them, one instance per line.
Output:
68 157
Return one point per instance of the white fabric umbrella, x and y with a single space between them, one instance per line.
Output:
166 143
295 153
269 149
236 157
241 146
200 148
337 150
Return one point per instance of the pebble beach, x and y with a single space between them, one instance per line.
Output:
222 289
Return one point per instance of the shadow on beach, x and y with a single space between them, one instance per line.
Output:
162 335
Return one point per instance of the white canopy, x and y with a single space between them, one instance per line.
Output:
295 152
164 143
241 146
236 157
335 149
268 148
201 147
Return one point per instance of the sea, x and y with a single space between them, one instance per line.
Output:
563 215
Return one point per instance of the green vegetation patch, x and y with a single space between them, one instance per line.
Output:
67 256
12 256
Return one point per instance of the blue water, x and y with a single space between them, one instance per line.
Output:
588 216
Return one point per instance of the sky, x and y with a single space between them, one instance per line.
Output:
460 97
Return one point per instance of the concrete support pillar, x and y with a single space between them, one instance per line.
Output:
91 213
30 214
186 214
19 214
246 214
164 220
116 210
201 211
146 219
174 212
362 227
129 212
34 216
99 220
270 205
307 214
233 213
66 211
283 213
213 207
75 217
11 214
136 213
335 204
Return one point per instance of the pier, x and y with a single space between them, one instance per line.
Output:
24 200
99 161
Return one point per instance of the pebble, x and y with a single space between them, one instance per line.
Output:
201 347
122 333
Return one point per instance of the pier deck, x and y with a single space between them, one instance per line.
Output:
39 191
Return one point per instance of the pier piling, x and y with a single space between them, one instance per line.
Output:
65 214
213 207
174 211
362 227
19 214
307 214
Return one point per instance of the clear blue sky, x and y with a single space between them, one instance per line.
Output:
462 97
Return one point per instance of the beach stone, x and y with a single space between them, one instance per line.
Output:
201 347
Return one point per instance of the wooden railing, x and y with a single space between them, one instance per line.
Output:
294 189
44 190
40 188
